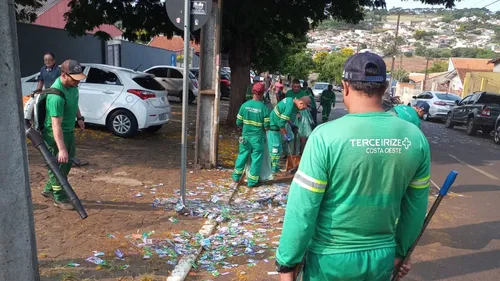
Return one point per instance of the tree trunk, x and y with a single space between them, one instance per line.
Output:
239 61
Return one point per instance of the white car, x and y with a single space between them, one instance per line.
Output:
171 78
121 99
318 89
439 102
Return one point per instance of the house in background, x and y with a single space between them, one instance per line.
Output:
51 14
459 67
175 44
433 83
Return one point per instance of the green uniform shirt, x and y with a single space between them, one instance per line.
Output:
328 97
58 107
282 113
292 94
364 189
253 116
407 113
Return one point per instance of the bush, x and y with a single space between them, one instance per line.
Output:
408 54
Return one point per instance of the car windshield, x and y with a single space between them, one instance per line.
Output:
450 97
320 86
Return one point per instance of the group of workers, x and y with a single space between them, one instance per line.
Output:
359 197
292 119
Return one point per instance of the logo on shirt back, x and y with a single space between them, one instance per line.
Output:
253 110
375 146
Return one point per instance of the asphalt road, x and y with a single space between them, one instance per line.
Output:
462 242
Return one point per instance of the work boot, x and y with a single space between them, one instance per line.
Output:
64 204
47 194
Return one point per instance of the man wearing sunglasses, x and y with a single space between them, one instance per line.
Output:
58 133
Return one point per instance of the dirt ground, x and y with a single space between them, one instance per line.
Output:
117 188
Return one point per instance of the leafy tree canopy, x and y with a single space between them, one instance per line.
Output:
26 9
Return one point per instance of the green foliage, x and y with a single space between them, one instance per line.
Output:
422 34
401 75
388 47
438 66
333 67
299 65
408 54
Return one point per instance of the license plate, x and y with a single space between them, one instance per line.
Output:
163 116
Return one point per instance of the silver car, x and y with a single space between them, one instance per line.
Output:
439 102
318 89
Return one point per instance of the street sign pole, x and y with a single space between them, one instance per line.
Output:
185 95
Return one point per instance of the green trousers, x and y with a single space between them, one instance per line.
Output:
373 265
327 108
253 147
274 144
53 185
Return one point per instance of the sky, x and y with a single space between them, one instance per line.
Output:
459 5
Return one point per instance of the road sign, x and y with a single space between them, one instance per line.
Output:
200 12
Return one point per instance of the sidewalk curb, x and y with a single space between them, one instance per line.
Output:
182 269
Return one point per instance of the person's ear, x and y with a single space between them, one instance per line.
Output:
345 87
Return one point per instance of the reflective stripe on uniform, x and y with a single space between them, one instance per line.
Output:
282 116
238 172
267 119
56 187
255 178
239 117
420 183
309 183
250 122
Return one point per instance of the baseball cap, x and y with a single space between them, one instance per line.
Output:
423 105
73 69
355 68
259 88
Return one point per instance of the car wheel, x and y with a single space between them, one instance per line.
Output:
449 123
191 97
471 127
153 129
426 117
122 123
496 138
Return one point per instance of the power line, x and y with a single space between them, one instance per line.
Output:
490 4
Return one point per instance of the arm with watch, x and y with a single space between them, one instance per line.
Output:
80 119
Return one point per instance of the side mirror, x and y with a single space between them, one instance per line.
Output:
414 97
457 102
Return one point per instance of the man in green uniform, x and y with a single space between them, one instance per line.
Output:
253 117
358 199
58 133
313 108
279 118
305 120
327 102
409 113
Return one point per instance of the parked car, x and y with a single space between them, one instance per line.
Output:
318 89
496 136
121 99
171 78
225 80
440 103
478 111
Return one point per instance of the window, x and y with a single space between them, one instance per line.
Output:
449 97
466 99
99 76
159 72
473 98
174 73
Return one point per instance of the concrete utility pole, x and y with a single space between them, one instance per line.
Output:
207 122
18 257
426 73
394 56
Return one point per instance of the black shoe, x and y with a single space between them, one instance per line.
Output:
47 194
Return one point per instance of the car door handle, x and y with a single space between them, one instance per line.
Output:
109 92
